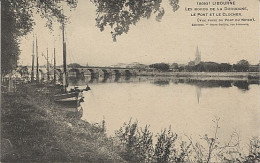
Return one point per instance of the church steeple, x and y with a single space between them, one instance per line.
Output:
197 56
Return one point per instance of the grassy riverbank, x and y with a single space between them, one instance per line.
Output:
34 129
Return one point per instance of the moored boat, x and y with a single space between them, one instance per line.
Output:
73 102
74 96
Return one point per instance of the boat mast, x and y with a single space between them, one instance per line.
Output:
64 58
54 78
48 73
37 62
32 73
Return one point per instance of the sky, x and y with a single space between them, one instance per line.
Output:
171 40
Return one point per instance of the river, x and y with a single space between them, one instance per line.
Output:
187 105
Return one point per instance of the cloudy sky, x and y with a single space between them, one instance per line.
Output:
171 40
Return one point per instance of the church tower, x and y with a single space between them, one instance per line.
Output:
197 56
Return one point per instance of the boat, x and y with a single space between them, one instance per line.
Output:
76 92
75 96
70 102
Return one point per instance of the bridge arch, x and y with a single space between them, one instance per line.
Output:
87 72
105 72
92 72
73 72
136 72
116 72
128 72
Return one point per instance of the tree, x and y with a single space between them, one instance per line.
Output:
120 15
206 67
175 66
160 66
241 66
225 67
74 65
211 66
200 67
17 19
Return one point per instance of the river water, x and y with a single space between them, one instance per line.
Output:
187 105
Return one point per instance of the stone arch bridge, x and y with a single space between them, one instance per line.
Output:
90 71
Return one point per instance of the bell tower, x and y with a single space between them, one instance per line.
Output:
197 56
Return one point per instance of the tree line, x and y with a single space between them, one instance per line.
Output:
240 66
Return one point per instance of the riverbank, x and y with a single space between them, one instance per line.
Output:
34 129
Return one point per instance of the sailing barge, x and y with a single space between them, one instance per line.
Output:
74 97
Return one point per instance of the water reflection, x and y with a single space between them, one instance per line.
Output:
161 82
199 83
209 83
243 85
198 92
164 81
187 104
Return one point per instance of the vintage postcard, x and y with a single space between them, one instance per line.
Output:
130 81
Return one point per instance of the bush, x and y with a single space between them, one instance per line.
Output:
137 146
163 147
136 143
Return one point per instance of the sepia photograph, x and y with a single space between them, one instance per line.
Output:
139 81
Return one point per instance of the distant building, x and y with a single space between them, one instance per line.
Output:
197 56
191 63
131 65
136 65
121 65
